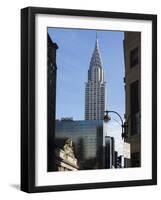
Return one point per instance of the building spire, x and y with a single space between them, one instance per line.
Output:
95 87
96 59
96 46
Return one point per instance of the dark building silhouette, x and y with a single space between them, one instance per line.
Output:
51 99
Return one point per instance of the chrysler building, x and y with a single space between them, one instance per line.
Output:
95 87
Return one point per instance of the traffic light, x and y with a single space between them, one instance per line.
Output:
119 162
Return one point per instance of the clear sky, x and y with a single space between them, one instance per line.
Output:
73 57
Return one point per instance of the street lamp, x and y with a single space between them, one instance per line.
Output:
124 125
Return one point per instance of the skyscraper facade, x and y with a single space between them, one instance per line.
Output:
95 87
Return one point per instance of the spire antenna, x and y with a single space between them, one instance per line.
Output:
96 44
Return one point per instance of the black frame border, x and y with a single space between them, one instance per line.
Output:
28 98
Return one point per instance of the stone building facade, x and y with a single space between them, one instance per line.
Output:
132 54
65 159
51 99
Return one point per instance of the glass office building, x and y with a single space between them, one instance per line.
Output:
87 136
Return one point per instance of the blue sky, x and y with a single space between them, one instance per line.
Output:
73 57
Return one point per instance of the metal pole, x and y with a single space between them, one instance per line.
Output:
122 123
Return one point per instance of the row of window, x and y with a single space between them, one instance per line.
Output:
134 57
135 108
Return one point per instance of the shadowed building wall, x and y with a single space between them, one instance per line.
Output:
132 53
51 99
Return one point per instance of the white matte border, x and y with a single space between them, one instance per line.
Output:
44 178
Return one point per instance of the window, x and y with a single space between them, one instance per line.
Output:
134 57
135 159
134 108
